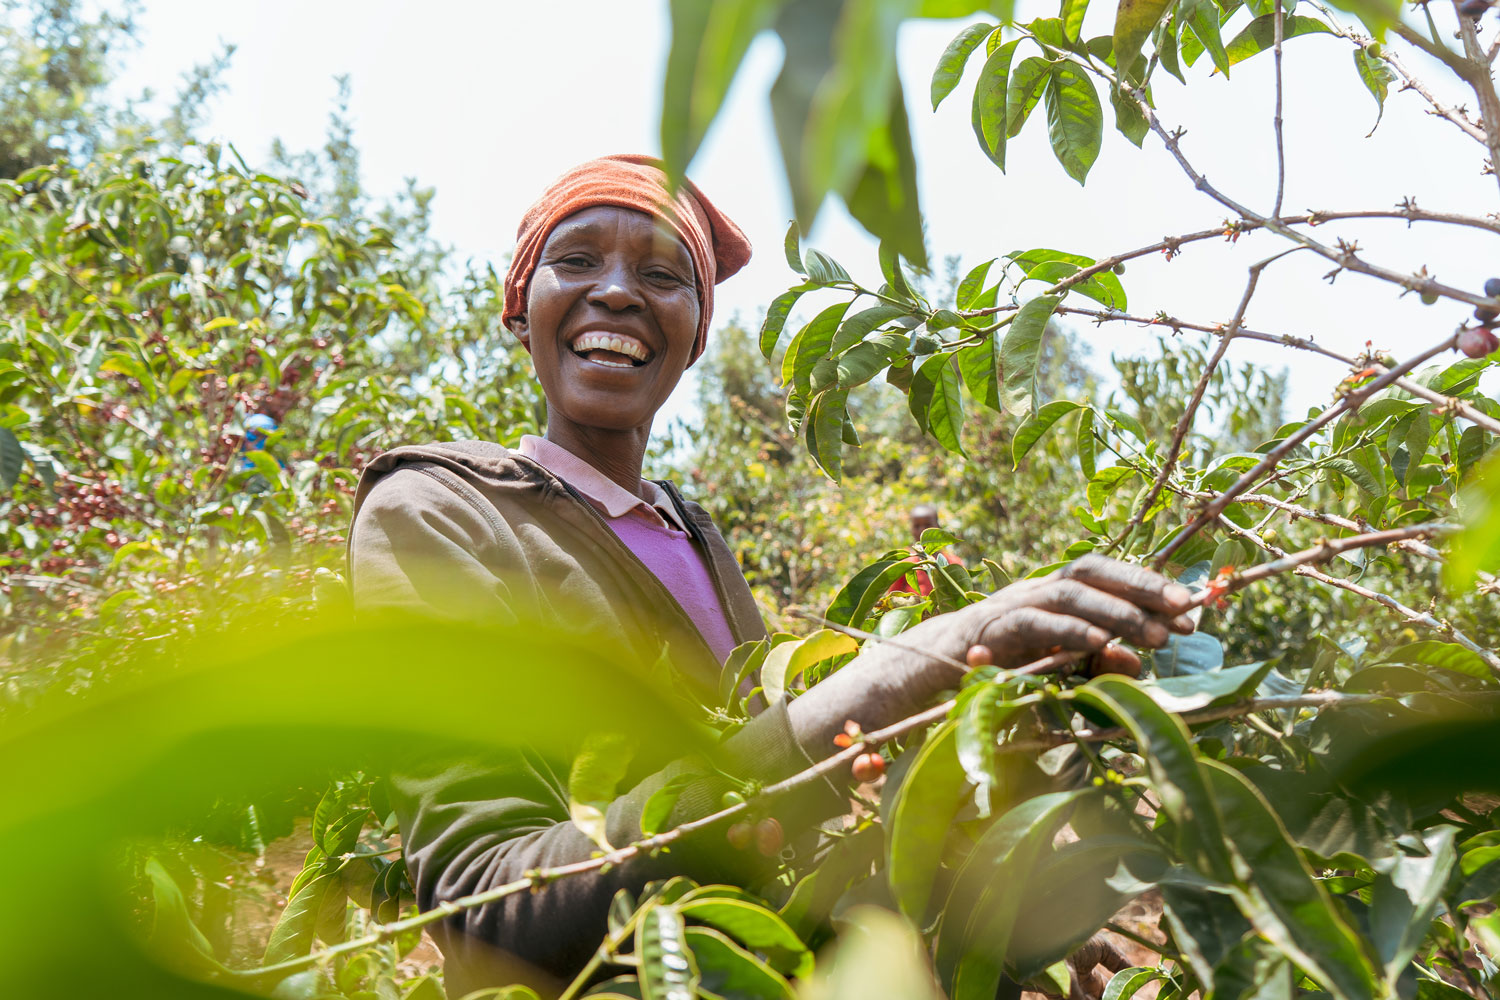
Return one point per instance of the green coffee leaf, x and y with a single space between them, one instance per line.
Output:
1075 119
989 115
1174 769
776 316
786 662
920 819
810 346
852 604
597 770
1025 91
1377 78
861 324
1134 20
1019 352
1034 427
1279 895
950 65
755 927
1260 35
667 970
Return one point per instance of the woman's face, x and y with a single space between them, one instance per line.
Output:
611 318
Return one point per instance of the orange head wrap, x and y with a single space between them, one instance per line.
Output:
627 180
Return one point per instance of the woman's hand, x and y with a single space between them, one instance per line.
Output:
1079 608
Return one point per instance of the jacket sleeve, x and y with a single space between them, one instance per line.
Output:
485 819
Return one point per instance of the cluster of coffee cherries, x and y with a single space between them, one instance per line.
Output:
1479 341
765 834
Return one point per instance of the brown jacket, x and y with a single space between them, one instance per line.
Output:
471 530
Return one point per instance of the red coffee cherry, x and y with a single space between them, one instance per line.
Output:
739 835
768 837
979 656
868 766
1477 342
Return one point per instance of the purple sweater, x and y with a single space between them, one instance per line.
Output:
653 531
673 559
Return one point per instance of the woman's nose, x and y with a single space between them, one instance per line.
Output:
617 289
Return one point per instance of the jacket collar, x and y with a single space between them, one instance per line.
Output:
604 493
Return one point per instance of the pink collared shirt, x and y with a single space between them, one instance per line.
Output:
652 529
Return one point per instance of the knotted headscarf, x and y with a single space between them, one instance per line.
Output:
627 180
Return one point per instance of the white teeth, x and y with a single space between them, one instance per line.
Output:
618 343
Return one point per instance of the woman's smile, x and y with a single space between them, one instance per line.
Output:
612 350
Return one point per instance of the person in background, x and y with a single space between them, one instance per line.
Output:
923 516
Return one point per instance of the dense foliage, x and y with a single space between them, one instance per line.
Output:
197 357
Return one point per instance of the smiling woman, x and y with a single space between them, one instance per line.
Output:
611 290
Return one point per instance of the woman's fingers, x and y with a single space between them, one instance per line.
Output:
1017 634
1102 608
1135 584
1115 659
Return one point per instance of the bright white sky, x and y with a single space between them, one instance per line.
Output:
488 101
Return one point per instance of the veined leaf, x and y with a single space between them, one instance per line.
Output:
12 458
667 969
972 287
989 114
1174 769
786 662
657 811
1260 35
861 324
1282 899
980 721
1024 92
1202 17
1072 17
1019 352
1377 78
945 409
754 926
776 314
727 970
826 421
979 366
986 896
597 770
1086 446
1134 20
810 346
1043 264
950 65
852 604
1075 119
709 41
793 247
920 819
1037 425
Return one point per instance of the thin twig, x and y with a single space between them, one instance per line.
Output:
1317 699
1343 255
1350 402
1185 422
1478 77
1462 407
1410 615
1276 119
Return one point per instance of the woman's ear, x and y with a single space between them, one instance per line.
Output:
522 331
